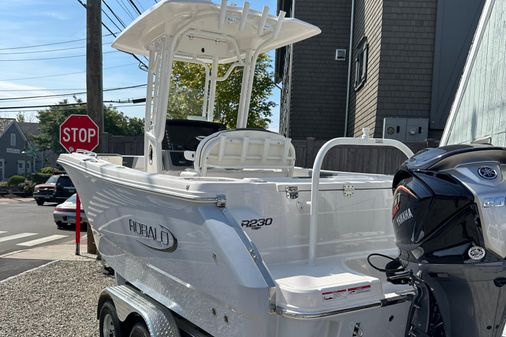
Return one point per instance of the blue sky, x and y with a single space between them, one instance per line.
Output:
28 69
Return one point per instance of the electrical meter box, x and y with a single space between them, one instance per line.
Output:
406 129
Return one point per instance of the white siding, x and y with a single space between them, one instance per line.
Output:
481 109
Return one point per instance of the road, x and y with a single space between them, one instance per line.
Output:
24 225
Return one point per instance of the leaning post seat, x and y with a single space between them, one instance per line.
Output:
245 149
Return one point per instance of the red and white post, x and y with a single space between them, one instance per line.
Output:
78 225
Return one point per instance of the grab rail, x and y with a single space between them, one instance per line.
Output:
315 179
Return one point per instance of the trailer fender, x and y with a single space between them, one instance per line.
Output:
130 303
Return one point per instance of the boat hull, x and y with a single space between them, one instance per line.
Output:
194 258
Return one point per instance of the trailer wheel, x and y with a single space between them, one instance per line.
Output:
109 322
139 330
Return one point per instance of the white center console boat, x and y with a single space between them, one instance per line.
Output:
225 234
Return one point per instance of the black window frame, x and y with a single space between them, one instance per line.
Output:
361 61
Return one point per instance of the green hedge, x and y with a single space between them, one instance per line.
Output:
47 170
15 180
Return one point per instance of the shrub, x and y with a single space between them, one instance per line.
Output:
52 170
15 180
47 170
27 188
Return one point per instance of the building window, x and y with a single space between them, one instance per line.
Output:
13 139
361 63
21 167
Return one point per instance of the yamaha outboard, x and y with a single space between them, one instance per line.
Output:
449 217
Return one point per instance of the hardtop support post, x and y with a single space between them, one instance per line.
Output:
156 111
212 90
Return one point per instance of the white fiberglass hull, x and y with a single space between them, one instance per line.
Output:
193 257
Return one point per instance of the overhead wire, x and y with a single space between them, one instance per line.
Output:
135 6
125 9
114 23
47 50
48 44
142 65
140 5
53 58
74 107
69 94
61 74
56 105
114 14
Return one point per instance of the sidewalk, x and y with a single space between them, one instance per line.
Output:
10 199
57 299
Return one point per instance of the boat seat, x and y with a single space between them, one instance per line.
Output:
317 294
244 149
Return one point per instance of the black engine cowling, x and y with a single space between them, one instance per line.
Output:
441 202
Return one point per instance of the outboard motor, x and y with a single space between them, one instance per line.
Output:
449 217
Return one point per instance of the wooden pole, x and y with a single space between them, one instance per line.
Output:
94 85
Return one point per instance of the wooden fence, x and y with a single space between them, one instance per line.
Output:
371 159
126 145
384 160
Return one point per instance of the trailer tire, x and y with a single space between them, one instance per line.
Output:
139 329
108 320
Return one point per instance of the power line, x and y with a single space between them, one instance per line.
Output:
52 105
125 8
62 74
114 23
114 14
142 65
44 89
54 58
140 5
75 107
48 50
135 6
49 44
40 106
69 94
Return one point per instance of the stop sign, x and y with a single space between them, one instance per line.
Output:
78 132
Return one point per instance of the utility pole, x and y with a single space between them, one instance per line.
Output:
94 85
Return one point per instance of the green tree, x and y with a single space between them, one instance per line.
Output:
20 117
115 122
187 93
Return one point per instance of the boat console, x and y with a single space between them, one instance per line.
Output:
184 135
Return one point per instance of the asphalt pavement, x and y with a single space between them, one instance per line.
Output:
24 226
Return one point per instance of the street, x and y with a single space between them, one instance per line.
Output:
24 225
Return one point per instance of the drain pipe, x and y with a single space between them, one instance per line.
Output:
350 53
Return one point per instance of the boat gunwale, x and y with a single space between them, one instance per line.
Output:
151 188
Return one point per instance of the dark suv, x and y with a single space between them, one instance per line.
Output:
56 188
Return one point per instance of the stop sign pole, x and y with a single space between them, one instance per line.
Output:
79 132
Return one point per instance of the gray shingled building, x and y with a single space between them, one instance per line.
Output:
403 69
13 144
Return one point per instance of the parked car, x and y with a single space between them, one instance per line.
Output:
65 213
57 188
